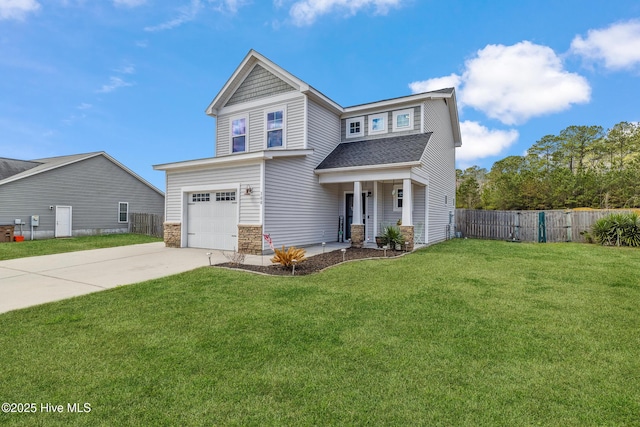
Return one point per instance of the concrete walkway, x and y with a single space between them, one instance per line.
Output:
25 282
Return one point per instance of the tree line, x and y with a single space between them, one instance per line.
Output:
583 166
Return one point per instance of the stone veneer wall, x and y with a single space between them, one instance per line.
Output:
250 239
357 235
407 233
172 234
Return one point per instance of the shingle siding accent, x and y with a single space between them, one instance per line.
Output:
396 149
259 83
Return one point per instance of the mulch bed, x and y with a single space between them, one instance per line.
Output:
315 263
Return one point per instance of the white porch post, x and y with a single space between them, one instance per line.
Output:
357 203
375 208
407 203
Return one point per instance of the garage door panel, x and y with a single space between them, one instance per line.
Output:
212 220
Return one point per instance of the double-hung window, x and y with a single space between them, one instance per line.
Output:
275 129
123 212
398 196
239 135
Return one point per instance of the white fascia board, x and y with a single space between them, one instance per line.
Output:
384 105
232 159
367 173
323 100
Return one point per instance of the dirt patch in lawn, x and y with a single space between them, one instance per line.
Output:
315 263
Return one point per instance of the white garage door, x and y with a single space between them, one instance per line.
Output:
212 220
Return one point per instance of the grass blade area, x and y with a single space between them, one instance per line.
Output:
31 248
466 332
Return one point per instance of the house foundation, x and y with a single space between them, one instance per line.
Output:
407 233
357 235
172 234
250 239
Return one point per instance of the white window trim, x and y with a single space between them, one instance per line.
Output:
119 204
348 125
384 117
396 193
395 127
284 127
246 133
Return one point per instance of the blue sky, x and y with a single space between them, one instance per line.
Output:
133 77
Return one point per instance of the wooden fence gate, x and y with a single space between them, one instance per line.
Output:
560 225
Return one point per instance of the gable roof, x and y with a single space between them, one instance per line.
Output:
250 61
10 167
50 163
384 151
254 59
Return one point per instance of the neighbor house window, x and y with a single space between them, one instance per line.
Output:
397 198
355 127
377 123
275 129
239 135
403 120
123 212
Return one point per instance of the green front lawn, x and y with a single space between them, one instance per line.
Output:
466 332
55 246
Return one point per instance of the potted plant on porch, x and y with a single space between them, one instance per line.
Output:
392 236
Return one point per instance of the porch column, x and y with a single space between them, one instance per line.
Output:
357 228
407 214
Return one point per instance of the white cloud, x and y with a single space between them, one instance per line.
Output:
185 14
617 45
452 80
514 83
479 142
305 12
84 106
17 9
129 3
126 69
114 83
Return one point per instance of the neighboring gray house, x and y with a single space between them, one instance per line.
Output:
73 195
289 161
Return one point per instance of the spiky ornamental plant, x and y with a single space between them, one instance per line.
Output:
619 229
288 256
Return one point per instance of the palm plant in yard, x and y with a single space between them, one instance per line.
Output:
619 229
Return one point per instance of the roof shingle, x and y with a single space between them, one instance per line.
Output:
384 151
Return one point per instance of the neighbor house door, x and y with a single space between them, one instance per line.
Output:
63 221
348 203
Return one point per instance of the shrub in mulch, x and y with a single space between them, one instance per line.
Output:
314 263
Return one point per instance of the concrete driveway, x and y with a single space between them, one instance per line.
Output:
31 281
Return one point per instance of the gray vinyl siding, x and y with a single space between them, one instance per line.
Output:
260 83
294 126
249 205
439 166
417 123
298 210
93 188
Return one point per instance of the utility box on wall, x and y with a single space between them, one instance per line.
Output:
35 220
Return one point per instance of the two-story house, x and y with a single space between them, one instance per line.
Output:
293 164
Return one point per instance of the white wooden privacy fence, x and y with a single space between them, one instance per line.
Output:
527 226
145 223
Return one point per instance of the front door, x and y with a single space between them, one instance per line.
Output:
63 221
348 203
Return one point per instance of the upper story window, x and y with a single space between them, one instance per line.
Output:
275 128
355 127
403 120
239 135
378 123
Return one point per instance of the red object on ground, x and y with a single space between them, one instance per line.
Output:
18 238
